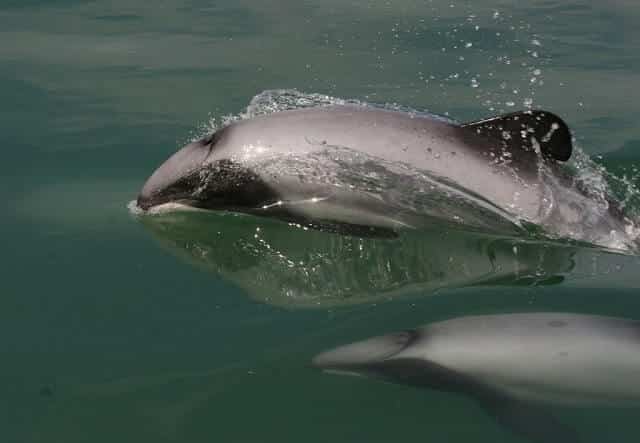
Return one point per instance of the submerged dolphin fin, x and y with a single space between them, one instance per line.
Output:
525 129
531 422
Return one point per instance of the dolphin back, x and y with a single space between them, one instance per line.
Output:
542 357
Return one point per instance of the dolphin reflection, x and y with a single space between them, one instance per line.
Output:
293 266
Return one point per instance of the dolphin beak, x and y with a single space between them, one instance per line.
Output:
170 182
360 354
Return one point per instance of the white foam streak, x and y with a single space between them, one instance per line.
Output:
164 208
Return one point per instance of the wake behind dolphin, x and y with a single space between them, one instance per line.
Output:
369 171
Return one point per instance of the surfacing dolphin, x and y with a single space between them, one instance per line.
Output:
370 171
512 364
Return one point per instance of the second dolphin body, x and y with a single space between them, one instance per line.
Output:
513 364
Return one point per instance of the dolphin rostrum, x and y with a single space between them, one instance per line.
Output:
512 364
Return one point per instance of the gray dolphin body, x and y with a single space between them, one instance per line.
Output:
512 364
363 169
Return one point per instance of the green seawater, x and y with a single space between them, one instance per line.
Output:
116 329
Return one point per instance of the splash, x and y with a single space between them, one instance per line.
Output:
411 198
583 211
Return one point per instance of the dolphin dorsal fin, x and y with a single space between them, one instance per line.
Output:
525 129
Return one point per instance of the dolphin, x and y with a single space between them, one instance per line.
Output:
233 168
370 171
512 364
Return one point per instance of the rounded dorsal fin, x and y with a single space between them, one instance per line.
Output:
526 129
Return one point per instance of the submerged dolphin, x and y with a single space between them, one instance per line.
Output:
512 364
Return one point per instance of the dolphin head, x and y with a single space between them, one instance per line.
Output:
399 357
367 357
197 176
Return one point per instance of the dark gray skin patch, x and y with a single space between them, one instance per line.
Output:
557 323
516 132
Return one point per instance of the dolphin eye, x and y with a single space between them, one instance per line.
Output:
214 137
